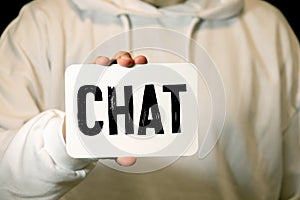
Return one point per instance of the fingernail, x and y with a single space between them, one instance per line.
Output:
125 57
102 60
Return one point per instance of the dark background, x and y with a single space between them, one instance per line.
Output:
288 7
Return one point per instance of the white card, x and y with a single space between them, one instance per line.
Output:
148 110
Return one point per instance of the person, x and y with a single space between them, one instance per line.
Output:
251 43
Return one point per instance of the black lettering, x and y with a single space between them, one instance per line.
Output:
81 106
175 104
150 102
114 110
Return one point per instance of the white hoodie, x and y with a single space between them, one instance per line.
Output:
257 54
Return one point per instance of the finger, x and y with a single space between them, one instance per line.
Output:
121 53
124 59
126 161
102 60
140 60
64 129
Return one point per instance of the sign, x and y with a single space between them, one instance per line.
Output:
145 111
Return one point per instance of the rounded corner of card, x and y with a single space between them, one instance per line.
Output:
71 152
193 148
70 70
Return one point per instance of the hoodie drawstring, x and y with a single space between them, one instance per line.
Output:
190 35
127 28
191 28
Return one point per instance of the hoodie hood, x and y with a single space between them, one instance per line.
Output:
198 10
204 9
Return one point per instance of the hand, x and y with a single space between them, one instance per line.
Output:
124 59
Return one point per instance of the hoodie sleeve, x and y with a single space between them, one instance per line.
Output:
33 159
34 162
291 160
289 56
